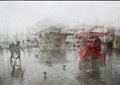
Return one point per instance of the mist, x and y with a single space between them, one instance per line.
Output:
18 16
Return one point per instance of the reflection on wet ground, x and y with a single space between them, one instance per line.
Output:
57 68
17 70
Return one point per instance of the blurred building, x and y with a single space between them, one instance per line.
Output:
53 37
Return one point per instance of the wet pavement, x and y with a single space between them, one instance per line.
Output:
57 68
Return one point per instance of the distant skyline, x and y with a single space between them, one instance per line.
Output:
16 16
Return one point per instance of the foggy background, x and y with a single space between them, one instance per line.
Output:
20 16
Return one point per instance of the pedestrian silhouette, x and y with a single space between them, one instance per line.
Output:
15 49
12 50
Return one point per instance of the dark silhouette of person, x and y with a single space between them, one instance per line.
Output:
15 49
12 50
98 43
18 50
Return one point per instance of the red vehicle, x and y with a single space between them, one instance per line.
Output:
89 48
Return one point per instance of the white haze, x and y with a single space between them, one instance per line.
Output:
17 16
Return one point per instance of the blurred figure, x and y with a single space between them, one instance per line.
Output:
12 50
109 45
98 43
18 50
15 49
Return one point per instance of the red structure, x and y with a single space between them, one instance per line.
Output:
89 48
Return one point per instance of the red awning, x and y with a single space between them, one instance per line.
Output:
99 33
91 34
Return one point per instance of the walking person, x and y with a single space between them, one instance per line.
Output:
18 50
12 50
15 49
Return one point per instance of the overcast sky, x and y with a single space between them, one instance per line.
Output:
16 16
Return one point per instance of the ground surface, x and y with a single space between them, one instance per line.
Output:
62 68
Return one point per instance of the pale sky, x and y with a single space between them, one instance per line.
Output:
18 15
